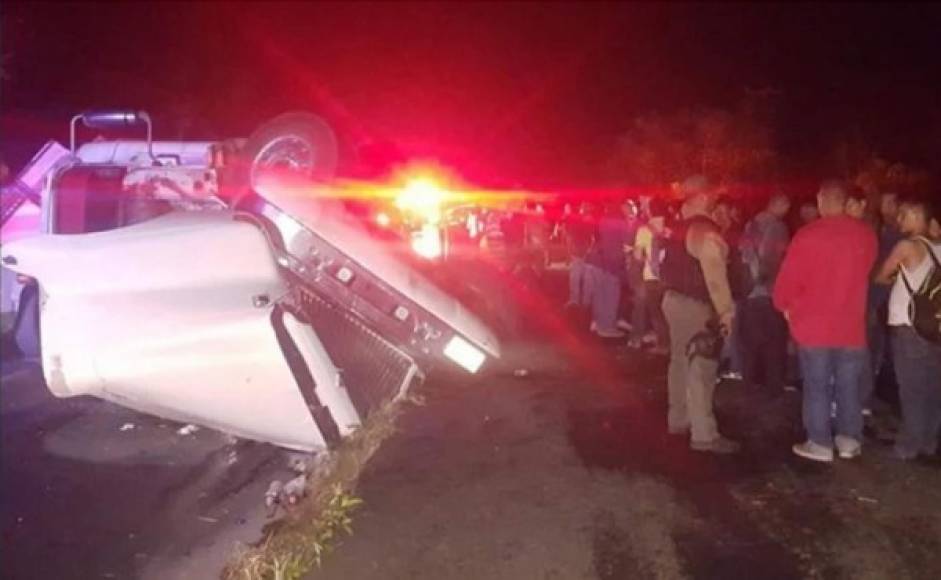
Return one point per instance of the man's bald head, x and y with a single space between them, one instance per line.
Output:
699 196
831 199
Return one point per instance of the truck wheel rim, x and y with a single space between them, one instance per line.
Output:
290 154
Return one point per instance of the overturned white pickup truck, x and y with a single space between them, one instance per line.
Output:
192 281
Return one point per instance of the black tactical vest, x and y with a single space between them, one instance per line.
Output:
680 271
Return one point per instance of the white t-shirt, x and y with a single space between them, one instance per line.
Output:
900 300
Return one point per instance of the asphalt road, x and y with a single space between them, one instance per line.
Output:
569 473
91 490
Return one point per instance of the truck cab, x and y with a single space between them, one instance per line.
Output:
221 283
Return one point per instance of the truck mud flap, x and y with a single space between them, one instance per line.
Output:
305 380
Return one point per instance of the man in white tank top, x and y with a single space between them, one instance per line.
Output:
917 361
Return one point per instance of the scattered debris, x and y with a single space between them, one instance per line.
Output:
187 429
127 427
273 497
309 463
865 499
521 373
208 519
289 494
300 462
295 490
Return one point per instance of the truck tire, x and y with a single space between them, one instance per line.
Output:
298 143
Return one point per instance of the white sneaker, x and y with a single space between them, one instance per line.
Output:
593 327
814 452
731 375
625 325
847 447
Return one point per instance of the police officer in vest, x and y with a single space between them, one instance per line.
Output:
699 309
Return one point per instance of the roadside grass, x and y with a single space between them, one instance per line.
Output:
296 544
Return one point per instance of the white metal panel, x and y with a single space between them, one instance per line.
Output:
159 317
193 153
342 231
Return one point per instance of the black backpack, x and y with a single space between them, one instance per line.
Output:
925 308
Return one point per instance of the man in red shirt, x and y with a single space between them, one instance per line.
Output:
821 289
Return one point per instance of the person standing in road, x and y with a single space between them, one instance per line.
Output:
698 308
858 207
536 237
821 290
648 297
723 214
763 330
578 233
611 263
917 361
857 204
878 302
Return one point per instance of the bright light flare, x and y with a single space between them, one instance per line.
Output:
423 190
465 354
427 242
423 197
383 219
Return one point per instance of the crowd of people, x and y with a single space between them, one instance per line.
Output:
851 285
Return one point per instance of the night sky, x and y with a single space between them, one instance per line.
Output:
535 93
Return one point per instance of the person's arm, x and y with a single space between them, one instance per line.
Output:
902 253
712 259
788 287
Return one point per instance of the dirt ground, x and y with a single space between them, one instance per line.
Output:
569 473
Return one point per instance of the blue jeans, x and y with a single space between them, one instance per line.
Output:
605 299
876 334
918 370
580 282
832 374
